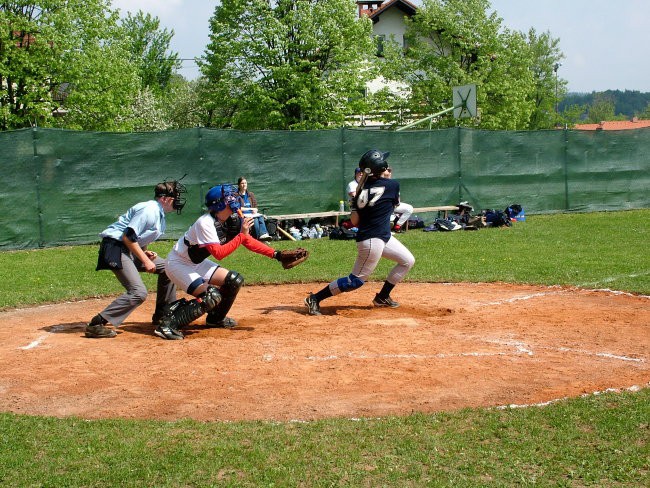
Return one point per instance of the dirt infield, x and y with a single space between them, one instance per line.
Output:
448 346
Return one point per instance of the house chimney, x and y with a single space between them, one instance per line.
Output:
368 6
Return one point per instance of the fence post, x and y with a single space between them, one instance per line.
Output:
37 173
566 168
343 175
460 164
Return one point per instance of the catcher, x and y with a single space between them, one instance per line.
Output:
214 286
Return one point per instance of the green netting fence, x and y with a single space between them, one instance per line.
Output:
64 187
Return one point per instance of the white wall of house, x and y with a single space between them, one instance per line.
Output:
391 23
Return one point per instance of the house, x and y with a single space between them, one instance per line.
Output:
387 23
387 18
633 123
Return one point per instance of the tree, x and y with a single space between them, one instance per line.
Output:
149 47
67 58
456 42
646 113
182 103
549 88
288 64
602 108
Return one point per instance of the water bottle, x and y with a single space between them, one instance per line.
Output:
341 206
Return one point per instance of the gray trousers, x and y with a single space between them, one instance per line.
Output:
136 291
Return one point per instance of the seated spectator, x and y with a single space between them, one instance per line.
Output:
249 207
352 186
403 211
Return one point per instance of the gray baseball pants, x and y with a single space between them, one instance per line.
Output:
136 291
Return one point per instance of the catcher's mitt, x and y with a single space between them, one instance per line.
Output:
291 257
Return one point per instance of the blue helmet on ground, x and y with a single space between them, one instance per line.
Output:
221 196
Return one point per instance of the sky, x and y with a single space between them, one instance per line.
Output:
604 41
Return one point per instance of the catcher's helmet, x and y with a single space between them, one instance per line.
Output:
221 196
174 189
375 160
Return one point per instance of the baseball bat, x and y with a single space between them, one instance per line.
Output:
286 234
362 181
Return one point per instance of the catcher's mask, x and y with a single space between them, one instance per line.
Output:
174 189
221 196
375 160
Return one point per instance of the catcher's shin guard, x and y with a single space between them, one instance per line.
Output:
229 290
183 312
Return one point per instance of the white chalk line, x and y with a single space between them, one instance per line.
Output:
522 298
611 279
523 348
520 349
570 291
633 388
42 338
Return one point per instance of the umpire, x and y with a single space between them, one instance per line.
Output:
123 250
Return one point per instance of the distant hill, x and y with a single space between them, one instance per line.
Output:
628 102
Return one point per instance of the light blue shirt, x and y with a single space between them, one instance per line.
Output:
147 219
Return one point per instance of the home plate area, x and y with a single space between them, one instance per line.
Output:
448 346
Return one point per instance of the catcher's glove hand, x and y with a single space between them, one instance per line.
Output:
291 257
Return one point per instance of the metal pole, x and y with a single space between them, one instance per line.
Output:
424 119
557 105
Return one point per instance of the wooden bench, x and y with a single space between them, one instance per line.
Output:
313 215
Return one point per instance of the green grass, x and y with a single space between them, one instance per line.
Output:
595 250
600 440
595 441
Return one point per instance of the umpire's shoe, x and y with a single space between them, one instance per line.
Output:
312 305
384 302
96 328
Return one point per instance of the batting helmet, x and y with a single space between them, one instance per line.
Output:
375 160
221 196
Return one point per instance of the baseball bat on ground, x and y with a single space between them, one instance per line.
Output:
286 234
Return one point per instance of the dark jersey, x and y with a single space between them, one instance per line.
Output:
375 205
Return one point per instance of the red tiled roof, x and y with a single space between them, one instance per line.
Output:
404 5
615 125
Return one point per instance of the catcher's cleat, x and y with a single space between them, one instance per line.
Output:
99 331
167 332
384 302
313 305
227 323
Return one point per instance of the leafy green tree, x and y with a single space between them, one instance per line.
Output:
285 64
182 103
66 58
549 88
572 115
456 42
602 108
149 47
646 113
